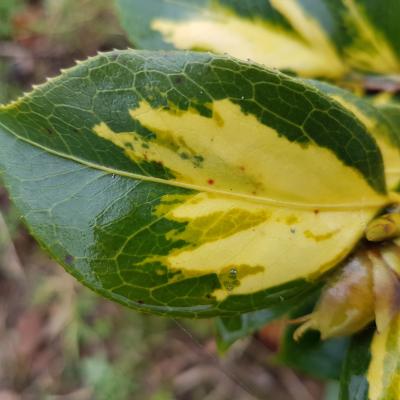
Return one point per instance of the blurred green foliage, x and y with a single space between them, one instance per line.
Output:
8 8
8 89
106 380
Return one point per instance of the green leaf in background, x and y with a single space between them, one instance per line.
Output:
314 39
281 34
354 385
8 9
389 107
391 110
231 329
107 380
368 34
131 169
311 355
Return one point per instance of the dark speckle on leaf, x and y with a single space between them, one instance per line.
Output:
69 259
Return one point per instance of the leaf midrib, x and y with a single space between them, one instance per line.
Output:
256 199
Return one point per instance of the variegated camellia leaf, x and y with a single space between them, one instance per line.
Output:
324 38
368 34
281 34
188 183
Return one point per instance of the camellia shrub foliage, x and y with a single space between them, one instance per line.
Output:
244 166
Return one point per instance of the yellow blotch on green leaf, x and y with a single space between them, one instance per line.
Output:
241 157
219 225
170 202
255 197
222 232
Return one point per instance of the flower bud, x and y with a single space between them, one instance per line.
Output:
346 304
384 227
367 287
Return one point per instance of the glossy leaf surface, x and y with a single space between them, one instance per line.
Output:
188 183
